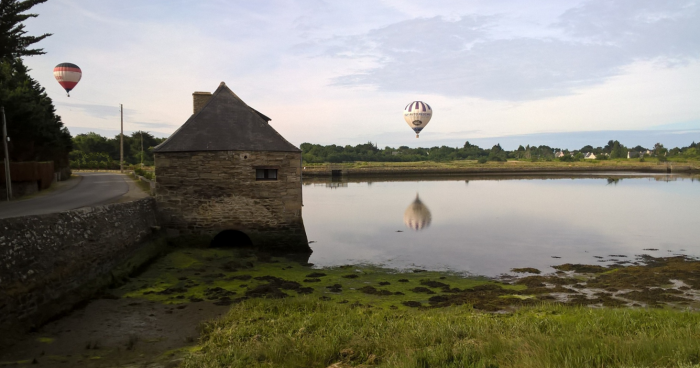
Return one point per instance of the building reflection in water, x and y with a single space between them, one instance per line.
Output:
417 215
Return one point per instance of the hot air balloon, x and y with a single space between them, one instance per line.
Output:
417 115
67 75
417 215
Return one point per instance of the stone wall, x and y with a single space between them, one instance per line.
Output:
203 193
48 263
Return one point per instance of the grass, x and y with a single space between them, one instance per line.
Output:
305 332
146 187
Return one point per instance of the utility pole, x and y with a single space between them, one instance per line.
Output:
121 145
142 149
8 180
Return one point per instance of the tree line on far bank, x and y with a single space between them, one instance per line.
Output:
316 153
94 151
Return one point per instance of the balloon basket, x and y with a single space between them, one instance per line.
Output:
417 136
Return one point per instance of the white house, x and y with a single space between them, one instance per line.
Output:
589 156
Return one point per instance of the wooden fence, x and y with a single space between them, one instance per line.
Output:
41 172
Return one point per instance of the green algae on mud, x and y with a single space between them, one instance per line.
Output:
228 276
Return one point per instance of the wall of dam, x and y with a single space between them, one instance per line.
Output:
49 263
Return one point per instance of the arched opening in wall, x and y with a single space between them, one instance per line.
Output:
231 239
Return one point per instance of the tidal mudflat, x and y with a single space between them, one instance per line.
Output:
166 313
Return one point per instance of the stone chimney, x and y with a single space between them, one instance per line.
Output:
199 99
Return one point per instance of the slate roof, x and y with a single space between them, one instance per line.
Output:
226 123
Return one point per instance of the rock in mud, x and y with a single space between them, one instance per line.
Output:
336 288
420 289
581 268
373 291
438 299
239 277
314 275
412 304
434 284
217 293
172 290
526 270
266 291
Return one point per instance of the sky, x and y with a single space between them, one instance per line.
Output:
553 72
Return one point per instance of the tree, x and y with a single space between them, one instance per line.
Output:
617 150
36 132
497 153
659 150
14 42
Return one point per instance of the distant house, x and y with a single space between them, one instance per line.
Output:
634 154
589 156
559 154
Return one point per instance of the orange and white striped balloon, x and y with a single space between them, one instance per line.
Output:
67 75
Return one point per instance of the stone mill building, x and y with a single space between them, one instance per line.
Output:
227 174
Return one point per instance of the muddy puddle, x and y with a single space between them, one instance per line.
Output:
154 319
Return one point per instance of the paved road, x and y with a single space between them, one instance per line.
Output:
93 189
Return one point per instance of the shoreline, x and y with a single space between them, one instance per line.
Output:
510 167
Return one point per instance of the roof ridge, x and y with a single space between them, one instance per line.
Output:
225 127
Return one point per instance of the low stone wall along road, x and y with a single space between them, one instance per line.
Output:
93 189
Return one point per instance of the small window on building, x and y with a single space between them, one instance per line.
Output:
265 174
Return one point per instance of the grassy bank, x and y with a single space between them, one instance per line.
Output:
306 332
472 166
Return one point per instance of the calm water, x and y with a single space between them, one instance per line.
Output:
486 226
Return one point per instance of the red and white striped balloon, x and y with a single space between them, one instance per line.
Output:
67 75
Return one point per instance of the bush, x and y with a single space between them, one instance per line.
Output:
482 160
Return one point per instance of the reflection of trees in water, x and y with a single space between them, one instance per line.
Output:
614 181
417 216
666 178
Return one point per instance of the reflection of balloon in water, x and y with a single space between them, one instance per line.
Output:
417 115
417 215
67 75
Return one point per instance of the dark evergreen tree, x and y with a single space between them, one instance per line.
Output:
36 132
14 41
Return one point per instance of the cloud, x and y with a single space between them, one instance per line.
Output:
588 45
98 111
